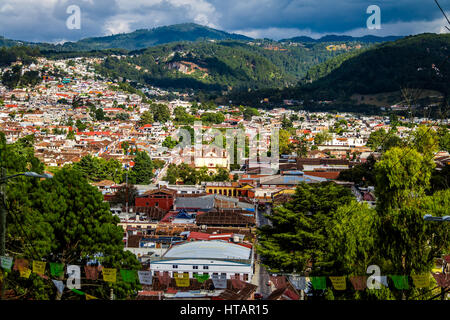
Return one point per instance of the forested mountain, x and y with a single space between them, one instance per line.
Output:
220 65
337 38
420 61
416 62
26 54
143 38
136 40
10 43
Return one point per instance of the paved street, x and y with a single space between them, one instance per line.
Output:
261 276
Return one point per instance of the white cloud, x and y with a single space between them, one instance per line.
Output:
44 20
403 28
115 26
277 33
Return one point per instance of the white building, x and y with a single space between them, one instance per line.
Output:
206 257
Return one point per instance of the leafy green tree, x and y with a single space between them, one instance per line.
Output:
249 112
172 174
142 172
402 173
286 123
122 116
182 117
376 138
63 219
301 146
222 175
71 135
283 143
322 137
146 118
99 114
351 245
380 140
30 78
98 169
211 117
425 141
169 143
408 242
161 112
125 147
81 125
299 234
10 79
444 139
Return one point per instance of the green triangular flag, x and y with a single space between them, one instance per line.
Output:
81 293
400 282
128 275
201 278
56 269
319 283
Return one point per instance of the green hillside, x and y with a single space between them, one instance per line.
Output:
220 65
337 38
144 38
420 61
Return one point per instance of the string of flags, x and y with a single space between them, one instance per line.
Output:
359 283
73 280
110 275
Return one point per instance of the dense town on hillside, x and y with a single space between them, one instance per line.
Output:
173 223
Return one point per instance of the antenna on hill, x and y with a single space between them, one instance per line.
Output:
443 12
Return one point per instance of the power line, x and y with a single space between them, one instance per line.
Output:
443 12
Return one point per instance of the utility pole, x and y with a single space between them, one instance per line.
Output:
3 226
444 269
3 214
126 206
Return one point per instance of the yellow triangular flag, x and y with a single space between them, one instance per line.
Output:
25 273
109 274
421 280
39 267
339 283
182 279
89 297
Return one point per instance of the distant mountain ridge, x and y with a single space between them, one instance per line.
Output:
340 38
137 40
191 32
144 38
419 62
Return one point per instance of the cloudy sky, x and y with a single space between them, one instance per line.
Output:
45 20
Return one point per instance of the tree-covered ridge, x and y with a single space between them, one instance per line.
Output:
412 62
220 65
144 38
325 68
136 40
339 38
25 54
